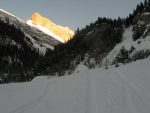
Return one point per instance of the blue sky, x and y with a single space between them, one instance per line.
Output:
72 13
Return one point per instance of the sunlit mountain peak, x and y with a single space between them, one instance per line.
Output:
61 33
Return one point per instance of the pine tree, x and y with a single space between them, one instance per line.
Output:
141 8
77 31
145 4
148 6
123 56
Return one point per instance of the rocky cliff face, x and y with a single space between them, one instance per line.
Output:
63 32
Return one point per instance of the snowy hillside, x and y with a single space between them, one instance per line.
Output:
133 47
118 90
37 40
45 30
22 48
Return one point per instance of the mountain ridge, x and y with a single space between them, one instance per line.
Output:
22 46
61 33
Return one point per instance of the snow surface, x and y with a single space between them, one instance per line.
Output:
118 90
45 30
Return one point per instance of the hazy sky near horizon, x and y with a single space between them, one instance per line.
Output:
71 13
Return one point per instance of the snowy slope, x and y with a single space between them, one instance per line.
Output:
118 90
10 14
45 30
38 40
128 43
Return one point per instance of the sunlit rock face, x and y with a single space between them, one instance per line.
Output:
63 32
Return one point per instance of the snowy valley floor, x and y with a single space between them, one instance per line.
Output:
118 90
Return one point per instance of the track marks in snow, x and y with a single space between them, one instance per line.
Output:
92 105
119 90
133 94
36 101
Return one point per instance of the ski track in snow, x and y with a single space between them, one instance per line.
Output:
91 95
131 86
34 102
116 90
